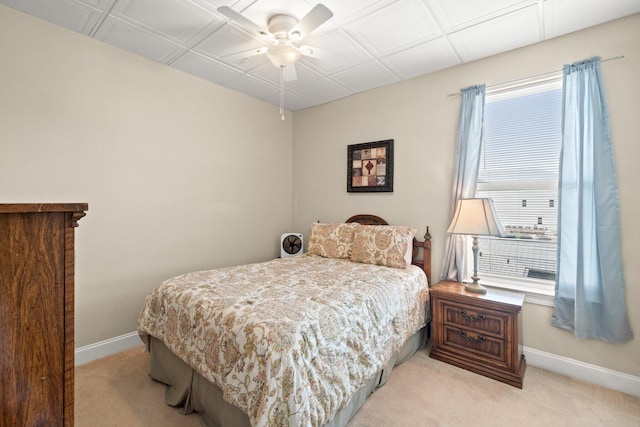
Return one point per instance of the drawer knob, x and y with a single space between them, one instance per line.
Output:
472 318
472 340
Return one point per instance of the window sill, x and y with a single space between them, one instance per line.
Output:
534 291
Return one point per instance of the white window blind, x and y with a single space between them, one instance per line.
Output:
519 171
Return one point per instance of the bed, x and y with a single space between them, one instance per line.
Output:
296 341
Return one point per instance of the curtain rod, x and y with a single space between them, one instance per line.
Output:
535 76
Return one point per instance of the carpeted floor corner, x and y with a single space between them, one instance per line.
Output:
117 391
426 392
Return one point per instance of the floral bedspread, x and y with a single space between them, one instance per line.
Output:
290 340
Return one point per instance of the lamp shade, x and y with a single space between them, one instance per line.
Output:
476 217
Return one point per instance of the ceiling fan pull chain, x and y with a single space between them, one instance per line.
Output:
282 92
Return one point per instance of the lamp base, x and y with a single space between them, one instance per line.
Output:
475 287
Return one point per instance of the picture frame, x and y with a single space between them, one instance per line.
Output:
370 167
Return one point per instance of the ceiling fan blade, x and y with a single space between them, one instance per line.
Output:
241 57
312 20
243 22
290 73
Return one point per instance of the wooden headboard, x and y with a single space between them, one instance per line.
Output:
423 262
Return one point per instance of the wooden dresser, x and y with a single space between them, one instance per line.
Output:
37 313
479 332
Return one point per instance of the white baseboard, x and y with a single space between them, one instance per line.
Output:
561 365
105 348
583 371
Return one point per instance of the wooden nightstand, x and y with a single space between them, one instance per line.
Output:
479 332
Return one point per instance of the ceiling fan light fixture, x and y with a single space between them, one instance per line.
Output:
283 54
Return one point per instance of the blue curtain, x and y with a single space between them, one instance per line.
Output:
589 298
466 174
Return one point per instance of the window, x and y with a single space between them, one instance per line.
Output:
519 170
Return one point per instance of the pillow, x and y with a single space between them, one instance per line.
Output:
331 240
387 245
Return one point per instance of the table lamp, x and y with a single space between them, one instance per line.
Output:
475 217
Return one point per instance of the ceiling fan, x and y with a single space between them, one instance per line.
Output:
284 37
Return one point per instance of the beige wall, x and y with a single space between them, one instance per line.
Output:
179 174
177 178
422 120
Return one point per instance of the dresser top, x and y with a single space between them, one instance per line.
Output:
494 295
42 207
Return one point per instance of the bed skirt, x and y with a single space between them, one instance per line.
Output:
190 391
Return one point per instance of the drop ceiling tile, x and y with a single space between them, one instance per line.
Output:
366 76
228 40
322 91
339 52
459 14
206 68
292 102
346 12
517 29
212 5
422 59
271 73
252 86
393 27
137 40
103 5
73 15
178 20
565 16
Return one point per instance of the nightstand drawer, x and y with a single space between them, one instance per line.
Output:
483 346
467 317
479 332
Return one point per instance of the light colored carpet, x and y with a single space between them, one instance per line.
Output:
116 391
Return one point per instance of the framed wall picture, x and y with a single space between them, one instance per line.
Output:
370 167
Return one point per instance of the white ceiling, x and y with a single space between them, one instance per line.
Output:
366 44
